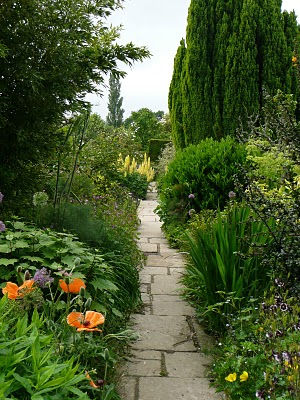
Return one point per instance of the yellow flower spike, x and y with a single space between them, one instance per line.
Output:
231 377
244 376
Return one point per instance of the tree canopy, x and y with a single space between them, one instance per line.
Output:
52 53
234 51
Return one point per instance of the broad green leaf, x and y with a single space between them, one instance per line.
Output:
21 244
104 284
33 258
5 248
117 312
8 261
19 225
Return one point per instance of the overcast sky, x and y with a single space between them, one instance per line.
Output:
159 25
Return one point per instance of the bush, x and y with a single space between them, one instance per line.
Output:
200 177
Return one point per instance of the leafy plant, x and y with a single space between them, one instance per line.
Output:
226 263
29 364
205 171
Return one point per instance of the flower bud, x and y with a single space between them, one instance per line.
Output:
82 291
19 269
27 275
88 303
106 355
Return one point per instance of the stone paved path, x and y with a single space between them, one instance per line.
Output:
166 363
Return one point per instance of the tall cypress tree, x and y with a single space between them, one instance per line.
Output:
198 77
175 98
235 49
241 89
115 111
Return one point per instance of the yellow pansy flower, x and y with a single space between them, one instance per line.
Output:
231 377
244 376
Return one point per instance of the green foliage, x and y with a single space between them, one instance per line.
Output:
29 363
145 125
56 53
156 147
230 57
136 184
263 340
199 177
226 261
274 151
115 111
29 249
175 98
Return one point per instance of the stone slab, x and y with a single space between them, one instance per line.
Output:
154 271
143 368
158 240
127 387
156 261
172 308
165 285
162 333
164 388
166 297
149 218
146 354
148 247
186 365
145 278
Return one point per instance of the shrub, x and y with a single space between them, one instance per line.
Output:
200 177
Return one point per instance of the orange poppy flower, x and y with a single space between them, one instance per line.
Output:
13 290
87 322
73 287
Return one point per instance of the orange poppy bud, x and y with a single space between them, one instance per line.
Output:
85 322
73 286
92 383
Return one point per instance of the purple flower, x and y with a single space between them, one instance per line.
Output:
42 278
2 226
191 196
231 194
1 197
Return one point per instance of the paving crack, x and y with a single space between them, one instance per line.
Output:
163 367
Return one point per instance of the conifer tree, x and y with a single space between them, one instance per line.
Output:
115 111
175 98
235 50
